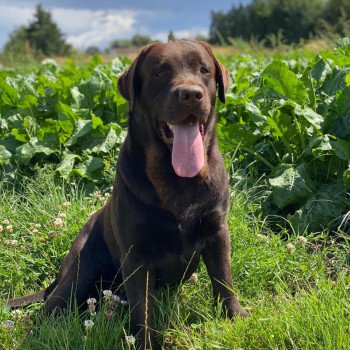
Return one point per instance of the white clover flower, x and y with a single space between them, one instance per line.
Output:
6 222
66 204
116 298
1 228
10 242
58 222
9 228
124 302
88 324
130 339
8 324
62 215
291 247
194 278
91 301
37 225
107 294
52 234
92 306
302 240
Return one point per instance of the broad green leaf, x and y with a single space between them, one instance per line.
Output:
66 165
91 90
8 94
117 67
283 81
10 143
326 205
347 79
312 117
334 82
108 143
27 151
319 146
342 149
78 98
5 155
340 127
342 102
237 134
20 134
96 121
320 70
291 187
310 88
3 125
255 114
281 125
90 169
66 112
82 127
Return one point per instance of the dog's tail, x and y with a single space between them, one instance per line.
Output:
26 300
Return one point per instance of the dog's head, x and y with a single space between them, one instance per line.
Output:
175 86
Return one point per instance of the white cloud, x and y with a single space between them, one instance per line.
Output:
12 16
190 33
84 28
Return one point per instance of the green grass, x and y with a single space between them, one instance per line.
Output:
298 299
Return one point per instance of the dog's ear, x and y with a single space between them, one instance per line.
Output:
222 76
128 83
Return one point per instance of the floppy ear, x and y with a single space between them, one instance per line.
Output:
222 76
128 83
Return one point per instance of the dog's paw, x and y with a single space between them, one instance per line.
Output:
239 311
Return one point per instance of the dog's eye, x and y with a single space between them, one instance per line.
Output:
161 73
204 70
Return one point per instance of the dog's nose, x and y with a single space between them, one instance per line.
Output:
190 94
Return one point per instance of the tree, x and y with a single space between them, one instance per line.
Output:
265 18
45 36
42 36
336 16
171 36
139 40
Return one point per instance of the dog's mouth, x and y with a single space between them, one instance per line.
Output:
185 139
167 129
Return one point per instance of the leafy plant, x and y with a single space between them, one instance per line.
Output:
294 119
71 116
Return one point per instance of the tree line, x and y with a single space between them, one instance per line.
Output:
293 20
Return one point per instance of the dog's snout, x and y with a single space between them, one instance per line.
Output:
190 94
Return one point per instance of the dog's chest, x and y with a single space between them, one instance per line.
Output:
161 237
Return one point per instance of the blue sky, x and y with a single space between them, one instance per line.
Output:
97 22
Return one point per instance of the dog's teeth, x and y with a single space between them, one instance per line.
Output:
169 126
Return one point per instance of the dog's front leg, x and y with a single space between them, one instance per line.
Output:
139 286
216 256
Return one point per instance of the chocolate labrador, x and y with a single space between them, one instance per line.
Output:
170 197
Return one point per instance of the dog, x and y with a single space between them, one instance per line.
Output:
170 198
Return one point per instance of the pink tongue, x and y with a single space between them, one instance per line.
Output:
187 154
